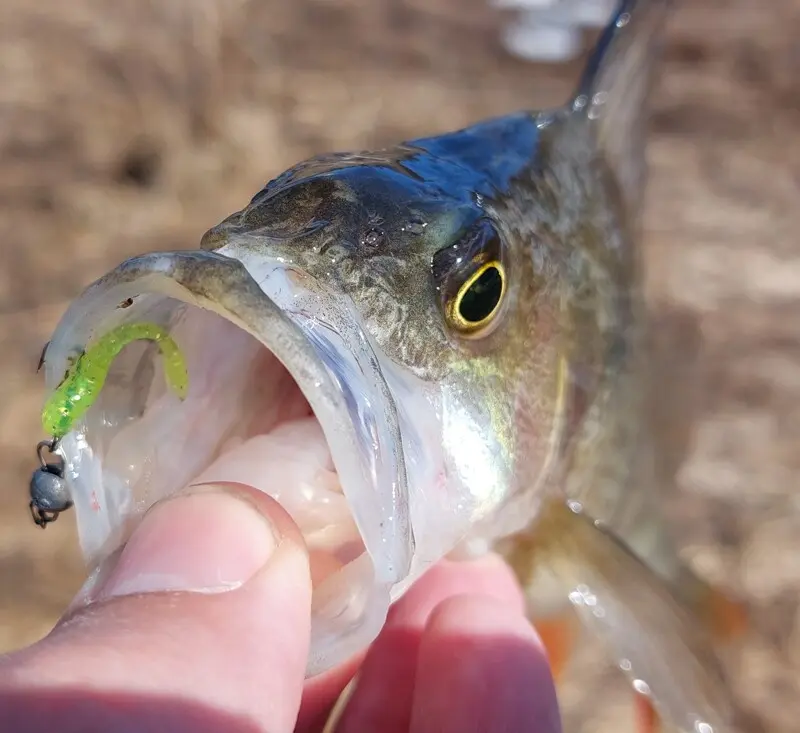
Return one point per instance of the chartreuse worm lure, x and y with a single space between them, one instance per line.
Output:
87 374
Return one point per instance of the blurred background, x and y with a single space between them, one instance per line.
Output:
134 126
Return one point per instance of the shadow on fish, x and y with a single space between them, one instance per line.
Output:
430 350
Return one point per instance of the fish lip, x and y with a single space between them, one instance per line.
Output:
222 284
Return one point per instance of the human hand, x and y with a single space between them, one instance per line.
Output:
157 643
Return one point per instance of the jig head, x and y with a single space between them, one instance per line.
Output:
48 488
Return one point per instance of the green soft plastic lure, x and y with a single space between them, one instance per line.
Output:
87 374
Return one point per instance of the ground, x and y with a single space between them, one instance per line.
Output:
137 128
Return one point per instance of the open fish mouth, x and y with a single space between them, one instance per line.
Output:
285 394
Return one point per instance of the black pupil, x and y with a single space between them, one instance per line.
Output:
482 297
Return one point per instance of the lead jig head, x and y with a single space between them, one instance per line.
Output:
48 488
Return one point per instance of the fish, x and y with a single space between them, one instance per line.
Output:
434 349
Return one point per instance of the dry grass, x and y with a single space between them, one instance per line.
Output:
137 128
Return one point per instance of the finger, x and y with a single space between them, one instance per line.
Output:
385 690
201 624
482 668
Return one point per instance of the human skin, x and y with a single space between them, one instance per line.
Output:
202 624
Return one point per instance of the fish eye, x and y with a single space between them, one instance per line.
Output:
479 298
471 279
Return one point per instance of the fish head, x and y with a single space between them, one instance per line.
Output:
442 290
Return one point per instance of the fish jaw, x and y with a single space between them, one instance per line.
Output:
138 443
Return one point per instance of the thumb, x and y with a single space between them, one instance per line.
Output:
201 623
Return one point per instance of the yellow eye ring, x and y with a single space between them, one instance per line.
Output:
479 298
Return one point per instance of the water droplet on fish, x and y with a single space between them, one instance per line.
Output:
702 727
625 665
600 98
623 20
583 596
641 687
580 102
575 506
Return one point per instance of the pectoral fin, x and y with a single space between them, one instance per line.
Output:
647 720
661 642
558 634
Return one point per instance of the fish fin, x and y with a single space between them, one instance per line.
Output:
647 719
559 633
613 93
725 619
660 641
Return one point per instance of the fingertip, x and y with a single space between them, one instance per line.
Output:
486 576
479 616
486 655
385 691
